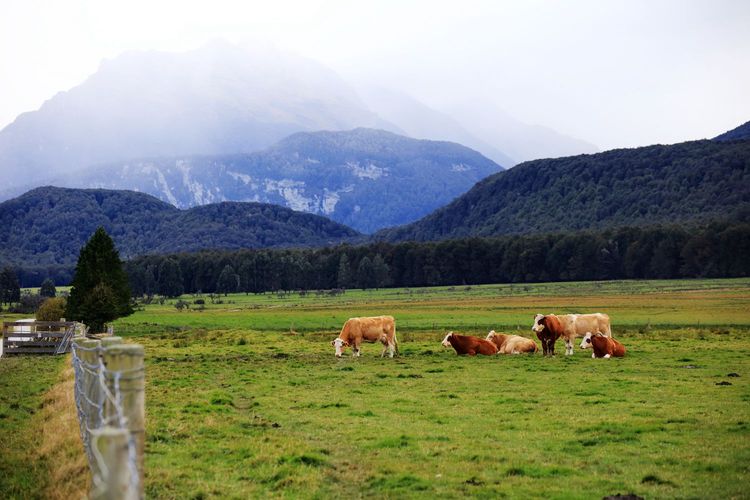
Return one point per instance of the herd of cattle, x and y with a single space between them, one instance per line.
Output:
594 328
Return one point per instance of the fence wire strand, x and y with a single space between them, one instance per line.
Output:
104 410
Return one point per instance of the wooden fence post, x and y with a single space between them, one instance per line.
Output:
125 378
110 449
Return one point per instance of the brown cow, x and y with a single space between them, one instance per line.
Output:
465 344
548 329
511 344
367 329
603 346
574 325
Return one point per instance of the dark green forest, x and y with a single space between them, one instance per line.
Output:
688 182
713 250
44 229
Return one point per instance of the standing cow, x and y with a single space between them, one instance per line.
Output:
511 344
550 327
367 329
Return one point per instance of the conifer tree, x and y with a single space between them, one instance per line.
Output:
48 288
100 292
10 289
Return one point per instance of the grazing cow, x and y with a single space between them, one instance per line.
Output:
569 326
603 346
372 329
511 344
465 344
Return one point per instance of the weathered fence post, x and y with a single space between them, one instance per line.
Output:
111 452
125 379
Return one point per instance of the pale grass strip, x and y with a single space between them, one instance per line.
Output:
61 447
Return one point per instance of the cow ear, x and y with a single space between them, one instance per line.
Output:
333 343
346 344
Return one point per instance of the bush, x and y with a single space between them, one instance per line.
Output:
52 309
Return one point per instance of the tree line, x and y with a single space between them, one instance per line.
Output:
718 249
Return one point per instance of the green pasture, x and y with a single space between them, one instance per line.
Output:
631 304
245 398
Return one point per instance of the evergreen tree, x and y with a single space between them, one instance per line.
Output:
48 288
344 274
381 271
229 281
170 278
10 289
365 273
100 292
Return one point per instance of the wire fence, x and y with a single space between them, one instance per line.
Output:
109 396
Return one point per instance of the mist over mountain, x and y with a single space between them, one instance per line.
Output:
364 178
517 139
221 98
420 121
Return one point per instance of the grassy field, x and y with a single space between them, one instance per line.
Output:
245 398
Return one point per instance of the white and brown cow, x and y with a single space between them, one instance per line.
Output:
603 346
468 345
367 329
511 344
570 326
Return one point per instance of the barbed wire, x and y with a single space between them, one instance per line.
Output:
99 404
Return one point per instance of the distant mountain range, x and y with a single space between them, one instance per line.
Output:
48 226
681 183
226 99
367 179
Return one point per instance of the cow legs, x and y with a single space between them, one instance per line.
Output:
568 347
355 351
550 347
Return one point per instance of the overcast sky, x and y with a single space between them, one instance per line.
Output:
615 73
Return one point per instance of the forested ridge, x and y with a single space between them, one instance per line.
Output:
687 182
717 249
44 229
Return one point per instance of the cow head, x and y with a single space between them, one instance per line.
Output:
491 335
446 341
339 344
538 323
586 342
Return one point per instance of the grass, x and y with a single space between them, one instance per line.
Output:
245 399
42 456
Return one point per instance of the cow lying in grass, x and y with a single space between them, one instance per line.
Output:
511 344
367 329
465 344
603 346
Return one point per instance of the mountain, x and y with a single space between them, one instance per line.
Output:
680 183
521 141
218 99
46 227
364 178
420 121
737 134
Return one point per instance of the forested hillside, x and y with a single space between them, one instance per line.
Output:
740 133
687 182
45 228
